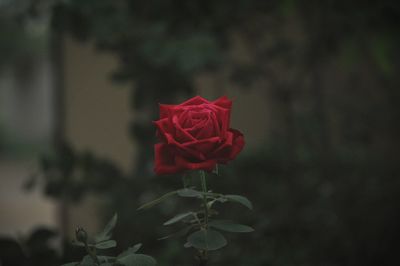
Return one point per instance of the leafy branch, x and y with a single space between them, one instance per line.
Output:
201 228
102 241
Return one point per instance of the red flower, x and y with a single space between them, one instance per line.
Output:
195 135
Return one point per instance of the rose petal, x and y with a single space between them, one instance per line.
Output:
165 110
197 124
238 143
207 130
215 124
223 102
183 163
205 145
163 127
232 146
223 151
164 162
183 150
223 117
181 135
184 119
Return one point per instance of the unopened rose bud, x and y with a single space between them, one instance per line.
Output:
81 234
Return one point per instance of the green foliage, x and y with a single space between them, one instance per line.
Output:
106 244
22 36
36 248
158 200
239 199
131 250
179 217
382 51
229 226
192 193
207 239
69 174
107 231
189 53
197 223
102 241
136 260
189 193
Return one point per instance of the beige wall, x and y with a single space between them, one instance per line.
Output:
27 119
97 117
97 111
20 212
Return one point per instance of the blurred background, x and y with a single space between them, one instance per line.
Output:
315 86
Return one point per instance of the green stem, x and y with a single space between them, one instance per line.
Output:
92 254
203 262
204 259
204 187
197 219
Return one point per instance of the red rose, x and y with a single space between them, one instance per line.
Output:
195 135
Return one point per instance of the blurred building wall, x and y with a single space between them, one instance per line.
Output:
21 212
26 100
26 121
97 111
97 116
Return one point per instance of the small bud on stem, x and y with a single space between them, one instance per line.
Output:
81 235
